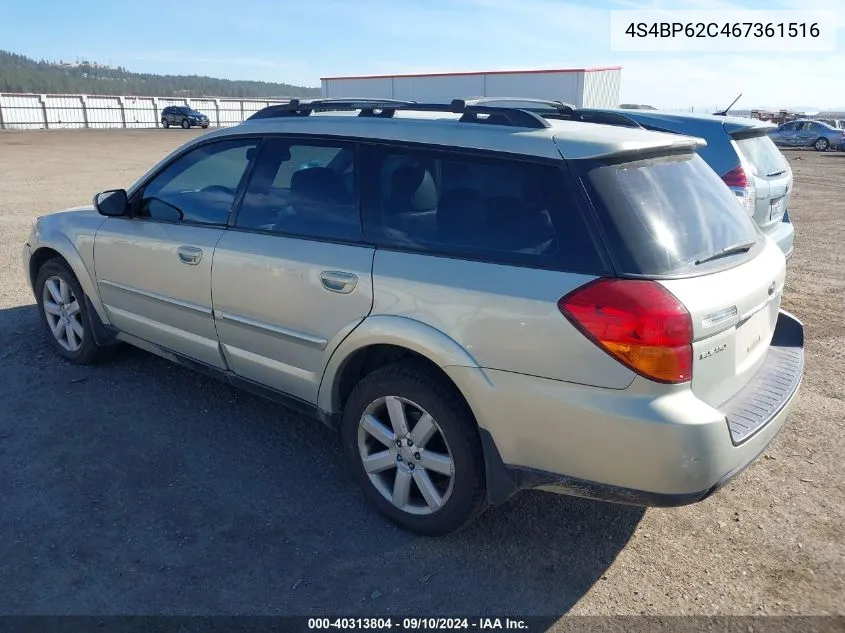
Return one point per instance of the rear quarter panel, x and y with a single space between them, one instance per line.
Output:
505 317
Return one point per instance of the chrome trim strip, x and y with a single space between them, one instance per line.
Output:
715 318
760 306
293 335
154 295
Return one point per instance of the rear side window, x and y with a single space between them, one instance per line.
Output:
492 209
663 215
763 154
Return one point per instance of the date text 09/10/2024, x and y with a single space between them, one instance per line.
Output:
418 624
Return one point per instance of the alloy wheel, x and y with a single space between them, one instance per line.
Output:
63 313
405 455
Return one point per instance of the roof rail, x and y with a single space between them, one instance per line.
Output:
604 118
552 109
295 107
471 113
533 104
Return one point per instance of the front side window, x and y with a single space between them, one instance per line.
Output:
199 186
303 188
478 207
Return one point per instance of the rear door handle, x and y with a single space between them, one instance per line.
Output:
336 281
189 255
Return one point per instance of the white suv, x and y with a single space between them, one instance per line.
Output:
481 299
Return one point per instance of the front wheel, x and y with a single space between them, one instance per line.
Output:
414 449
165 123
186 124
821 144
64 314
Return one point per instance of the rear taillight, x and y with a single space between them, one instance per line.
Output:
736 178
639 323
746 194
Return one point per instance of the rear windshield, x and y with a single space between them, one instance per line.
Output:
664 215
763 154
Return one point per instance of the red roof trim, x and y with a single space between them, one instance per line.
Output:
490 72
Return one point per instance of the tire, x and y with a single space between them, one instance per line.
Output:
205 126
70 330
453 500
165 123
821 144
185 124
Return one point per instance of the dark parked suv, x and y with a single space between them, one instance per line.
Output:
184 116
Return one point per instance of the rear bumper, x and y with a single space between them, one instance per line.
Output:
637 445
783 234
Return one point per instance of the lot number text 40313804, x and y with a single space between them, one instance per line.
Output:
419 624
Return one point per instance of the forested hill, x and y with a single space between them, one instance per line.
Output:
22 74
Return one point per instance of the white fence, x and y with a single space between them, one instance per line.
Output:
33 111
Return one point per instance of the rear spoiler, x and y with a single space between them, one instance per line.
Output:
742 129
682 145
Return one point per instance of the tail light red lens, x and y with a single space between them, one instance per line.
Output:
736 178
638 322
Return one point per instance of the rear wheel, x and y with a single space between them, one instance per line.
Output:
821 144
414 449
64 315
186 124
165 123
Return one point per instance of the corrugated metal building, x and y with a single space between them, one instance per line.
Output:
584 87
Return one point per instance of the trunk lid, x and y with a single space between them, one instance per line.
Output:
672 220
734 313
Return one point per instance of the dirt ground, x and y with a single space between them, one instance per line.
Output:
139 487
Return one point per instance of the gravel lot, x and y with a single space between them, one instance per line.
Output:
139 487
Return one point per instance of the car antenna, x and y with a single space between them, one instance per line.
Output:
725 111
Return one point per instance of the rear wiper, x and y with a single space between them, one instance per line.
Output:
776 173
741 247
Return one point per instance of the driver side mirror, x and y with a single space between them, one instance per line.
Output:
112 203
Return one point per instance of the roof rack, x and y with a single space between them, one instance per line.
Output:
471 113
552 109
533 104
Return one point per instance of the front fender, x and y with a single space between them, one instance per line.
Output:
55 240
390 330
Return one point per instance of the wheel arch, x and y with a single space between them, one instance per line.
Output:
383 340
57 246
386 339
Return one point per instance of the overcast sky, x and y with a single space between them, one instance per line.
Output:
298 42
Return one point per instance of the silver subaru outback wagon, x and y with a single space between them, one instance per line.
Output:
480 300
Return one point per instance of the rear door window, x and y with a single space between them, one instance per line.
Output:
663 215
763 154
475 207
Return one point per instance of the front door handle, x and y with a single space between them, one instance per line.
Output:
189 255
336 281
